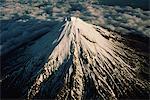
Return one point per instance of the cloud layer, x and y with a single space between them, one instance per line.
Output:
16 30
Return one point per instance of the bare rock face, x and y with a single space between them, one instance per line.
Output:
84 61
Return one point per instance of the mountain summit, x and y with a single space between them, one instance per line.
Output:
84 61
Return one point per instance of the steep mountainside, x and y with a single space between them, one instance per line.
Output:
76 60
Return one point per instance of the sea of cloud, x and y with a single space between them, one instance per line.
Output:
16 30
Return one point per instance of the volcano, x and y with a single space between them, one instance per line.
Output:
77 60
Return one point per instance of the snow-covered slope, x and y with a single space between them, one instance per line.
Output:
77 61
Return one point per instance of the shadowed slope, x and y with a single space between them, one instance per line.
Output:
90 63
21 65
